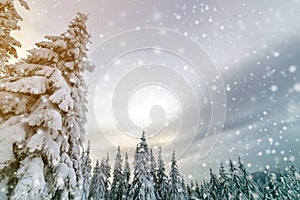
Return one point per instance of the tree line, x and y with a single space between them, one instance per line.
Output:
151 182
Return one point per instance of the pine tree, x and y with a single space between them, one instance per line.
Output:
162 179
44 105
235 181
176 192
261 186
198 192
86 173
192 194
9 21
189 191
126 178
226 191
271 186
214 188
195 191
205 193
142 187
153 169
294 179
249 188
106 172
184 187
116 192
93 186
98 189
284 189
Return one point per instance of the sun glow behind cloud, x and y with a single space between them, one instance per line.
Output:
147 100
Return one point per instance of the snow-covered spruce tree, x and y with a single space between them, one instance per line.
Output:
44 105
226 191
204 191
116 192
9 20
193 194
249 187
142 187
261 186
86 172
176 192
126 179
285 189
184 187
98 188
235 182
198 190
162 179
107 174
270 191
153 169
278 188
189 191
94 181
294 179
214 186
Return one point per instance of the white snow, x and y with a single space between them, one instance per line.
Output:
32 182
46 118
63 98
31 85
297 87
292 69
11 131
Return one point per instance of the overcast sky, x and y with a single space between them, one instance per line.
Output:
247 54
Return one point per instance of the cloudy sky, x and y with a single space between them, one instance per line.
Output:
209 79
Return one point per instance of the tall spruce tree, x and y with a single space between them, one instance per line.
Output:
45 105
176 191
142 187
294 179
107 174
184 187
153 168
249 188
270 192
98 189
198 191
284 188
126 178
235 181
93 186
226 191
205 193
86 172
162 179
189 191
193 194
116 192
214 186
